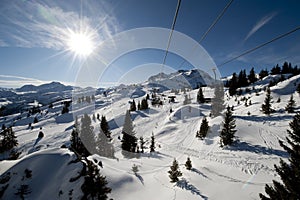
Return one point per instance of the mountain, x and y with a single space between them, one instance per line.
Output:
182 79
18 99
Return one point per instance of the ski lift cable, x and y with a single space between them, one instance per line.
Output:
209 29
260 46
171 33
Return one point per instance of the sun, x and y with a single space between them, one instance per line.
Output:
81 44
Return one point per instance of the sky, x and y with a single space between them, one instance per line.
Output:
108 42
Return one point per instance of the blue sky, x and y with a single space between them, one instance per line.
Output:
34 37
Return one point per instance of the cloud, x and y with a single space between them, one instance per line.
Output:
10 81
263 21
33 24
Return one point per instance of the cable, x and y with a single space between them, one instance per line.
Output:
211 26
259 46
171 33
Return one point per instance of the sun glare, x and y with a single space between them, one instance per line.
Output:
81 44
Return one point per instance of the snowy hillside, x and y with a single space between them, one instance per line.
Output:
50 170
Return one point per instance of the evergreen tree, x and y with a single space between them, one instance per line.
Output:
252 76
8 140
266 106
263 73
298 88
129 141
95 184
105 127
203 129
218 100
22 191
104 146
174 172
152 145
290 107
76 143
200 96
133 106
188 164
233 85
228 130
87 133
288 172
35 120
139 105
242 80
144 104
142 144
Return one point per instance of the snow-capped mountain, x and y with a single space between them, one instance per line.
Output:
182 79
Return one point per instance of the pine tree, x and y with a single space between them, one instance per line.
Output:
233 85
288 188
104 146
129 141
87 133
76 143
142 144
263 73
152 145
8 140
144 104
188 164
252 76
266 107
174 172
95 184
35 120
298 88
290 107
22 191
203 129
105 127
200 96
218 100
133 106
228 131
139 105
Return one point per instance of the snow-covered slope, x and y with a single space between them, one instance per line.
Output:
237 172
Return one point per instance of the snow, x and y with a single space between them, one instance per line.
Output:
236 172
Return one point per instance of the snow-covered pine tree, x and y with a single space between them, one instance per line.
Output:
228 130
76 143
188 164
152 145
104 146
95 184
289 173
266 106
9 140
174 172
105 127
129 141
203 129
290 107
200 96
87 133
217 102
133 106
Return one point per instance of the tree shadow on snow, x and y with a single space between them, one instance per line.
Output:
198 172
244 146
263 117
140 178
184 184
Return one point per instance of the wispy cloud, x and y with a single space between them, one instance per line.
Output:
33 24
263 21
10 81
